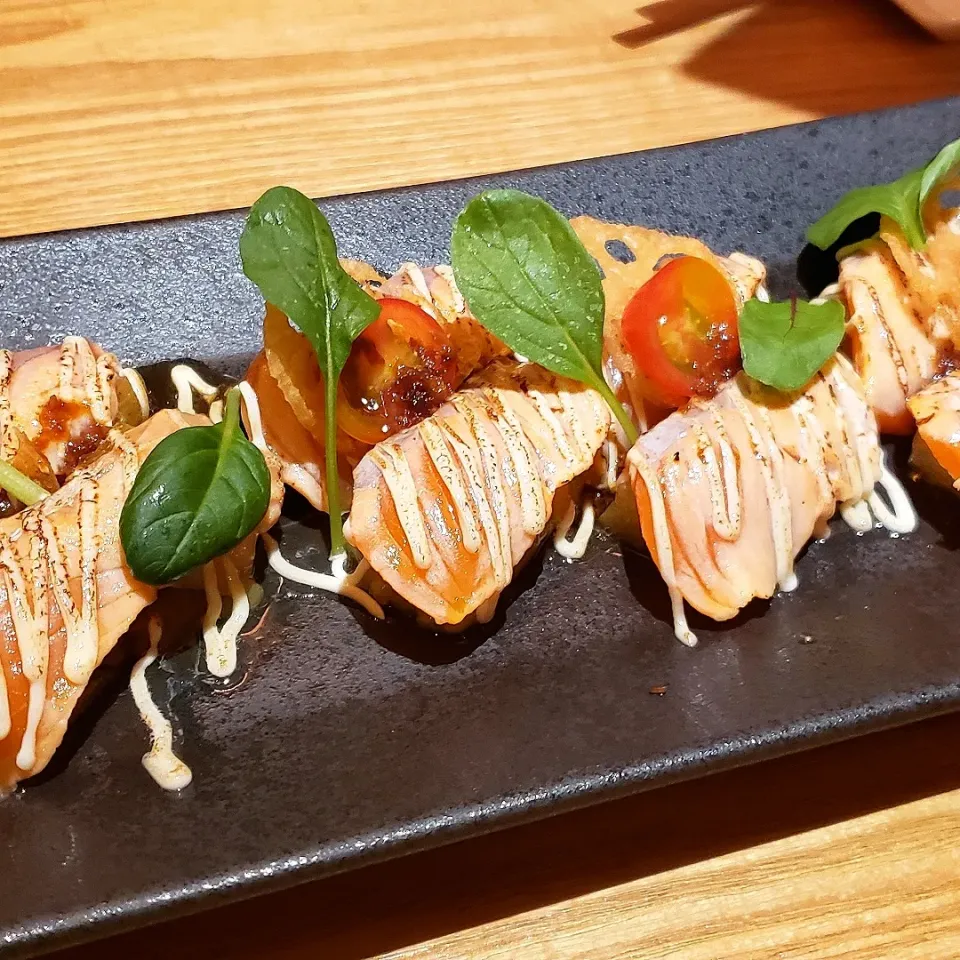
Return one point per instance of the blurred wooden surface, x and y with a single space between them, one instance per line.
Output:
130 109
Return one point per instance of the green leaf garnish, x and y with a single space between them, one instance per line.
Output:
19 485
289 252
942 167
531 282
198 494
785 344
902 201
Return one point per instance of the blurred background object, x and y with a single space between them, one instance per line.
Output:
940 17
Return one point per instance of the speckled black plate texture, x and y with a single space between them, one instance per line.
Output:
341 743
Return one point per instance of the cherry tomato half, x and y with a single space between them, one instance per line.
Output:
681 330
400 370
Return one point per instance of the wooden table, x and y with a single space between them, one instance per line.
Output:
113 110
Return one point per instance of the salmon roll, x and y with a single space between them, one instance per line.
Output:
729 490
445 511
903 307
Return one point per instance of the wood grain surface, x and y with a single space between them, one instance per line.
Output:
114 110
130 109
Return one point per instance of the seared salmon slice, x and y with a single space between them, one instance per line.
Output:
63 400
66 597
729 490
936 409
445 510
904 314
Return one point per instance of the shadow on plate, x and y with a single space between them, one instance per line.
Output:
402 635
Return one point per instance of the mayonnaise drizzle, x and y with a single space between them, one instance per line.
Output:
396 474
187 380
252 406
433 437
533 506
721 474
664 545
902 518
574 549
166 768
770 459
611 460
345 586
490 464
86 378
473 470
220 643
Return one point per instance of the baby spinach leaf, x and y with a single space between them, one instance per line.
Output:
529 280
289 252
198 494
899 200
902 201
785 344
944 166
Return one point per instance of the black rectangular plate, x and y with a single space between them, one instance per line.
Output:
342 744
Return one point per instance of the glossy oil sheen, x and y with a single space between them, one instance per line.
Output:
342 741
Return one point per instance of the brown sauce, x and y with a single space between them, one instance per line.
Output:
57 423
417 392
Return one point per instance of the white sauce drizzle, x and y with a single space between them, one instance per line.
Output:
220 643
769 458
903 517
87 379
139 389
396 473
167 769
187 380
533 506
664 545
721 475
830 292
574 549
345 587
496 493
856 514
612 462
469 459
255 420
432 435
